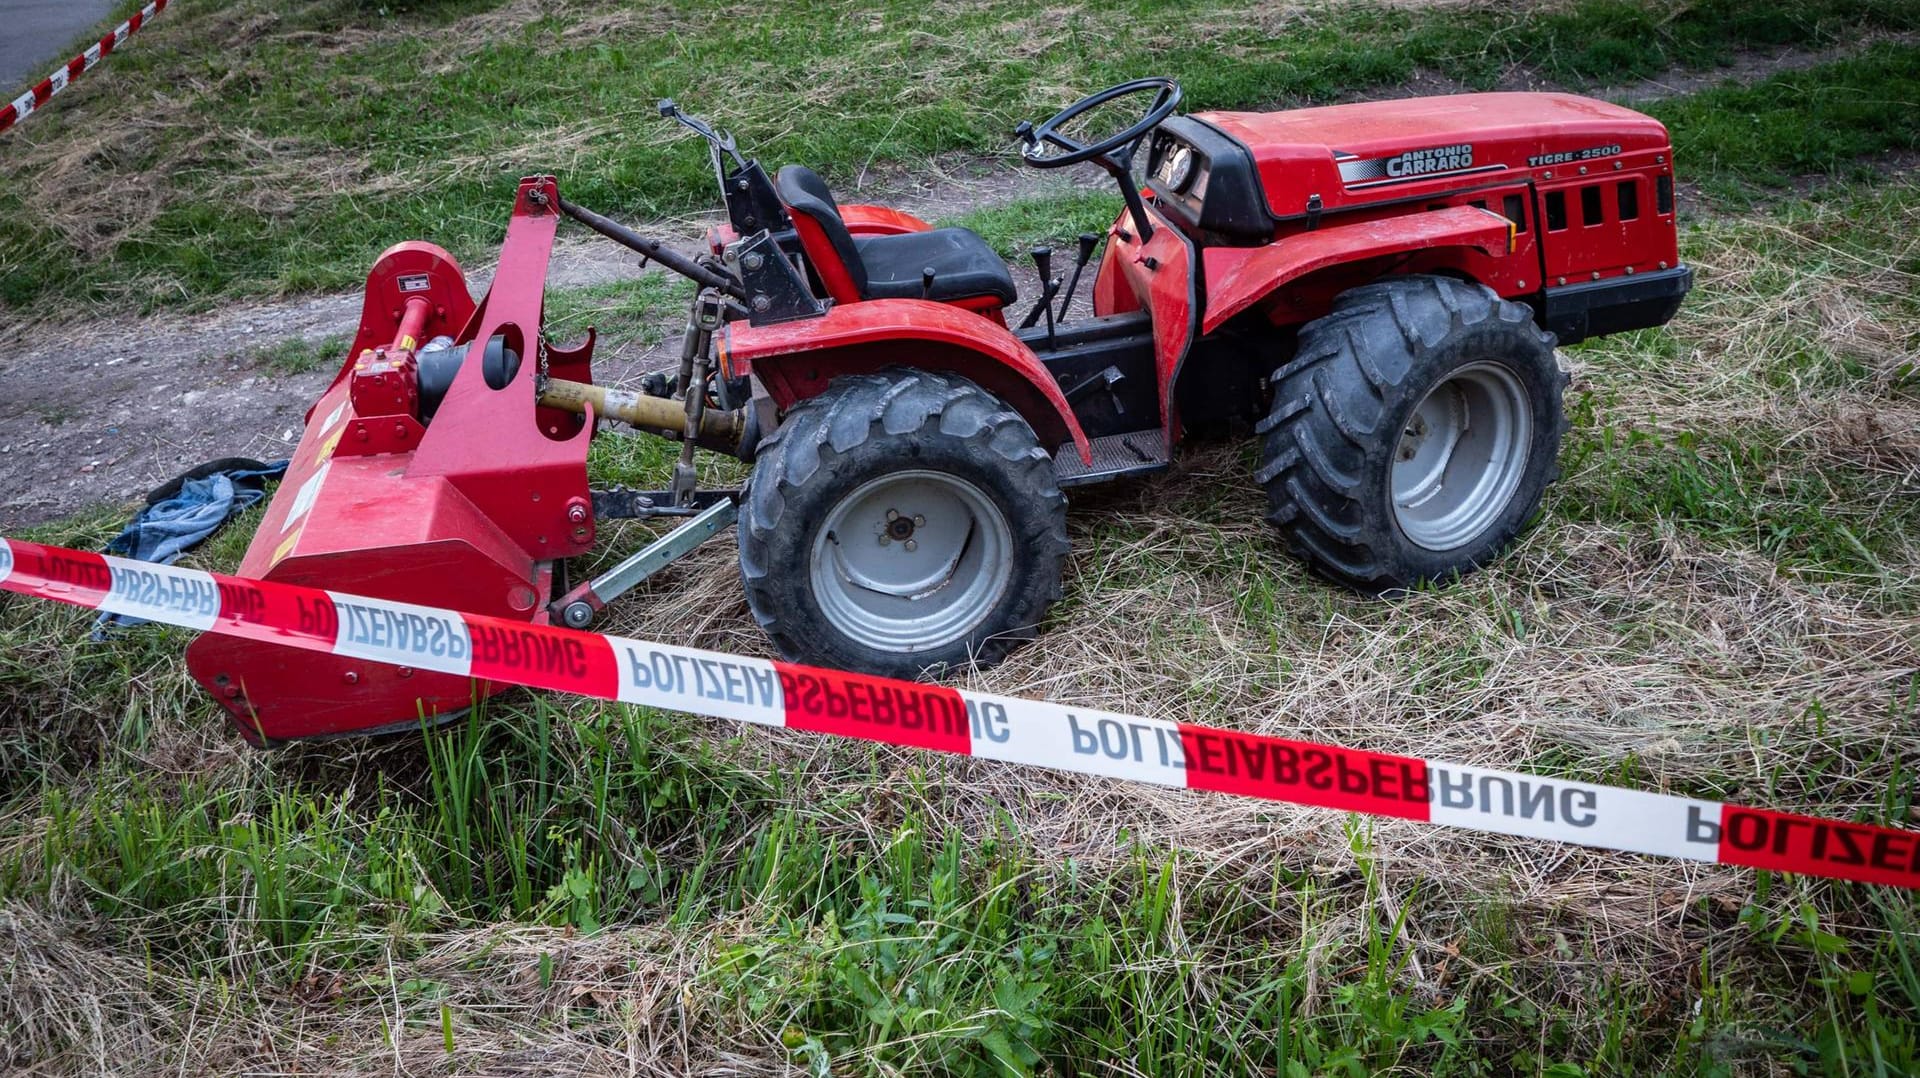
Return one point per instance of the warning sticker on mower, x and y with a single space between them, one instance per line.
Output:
304 497
333 416
401 634
6 560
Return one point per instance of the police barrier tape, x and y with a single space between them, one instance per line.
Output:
984 725
23 106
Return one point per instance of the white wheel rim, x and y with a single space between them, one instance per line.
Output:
911 561
1460 456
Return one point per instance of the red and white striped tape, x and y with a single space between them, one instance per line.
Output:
24 105
1030 732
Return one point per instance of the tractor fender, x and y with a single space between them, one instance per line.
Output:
796 360
1239 277
864 220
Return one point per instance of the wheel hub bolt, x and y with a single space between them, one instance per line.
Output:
911 546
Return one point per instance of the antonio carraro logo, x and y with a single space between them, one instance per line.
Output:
1411 165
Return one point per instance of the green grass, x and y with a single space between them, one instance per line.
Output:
640 311
532 875
297 355
1820 122
329 130
1799 448
1741 488
1015 228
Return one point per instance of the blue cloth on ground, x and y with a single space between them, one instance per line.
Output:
171 526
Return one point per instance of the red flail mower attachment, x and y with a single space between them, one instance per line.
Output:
470 511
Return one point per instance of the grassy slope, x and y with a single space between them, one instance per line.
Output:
1721 599
1680 621
321 130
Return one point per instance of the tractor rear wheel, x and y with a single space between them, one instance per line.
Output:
1413 433
902 522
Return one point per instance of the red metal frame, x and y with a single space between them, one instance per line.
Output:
530 478
472 514
1164 276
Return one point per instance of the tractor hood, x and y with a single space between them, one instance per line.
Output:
1380 151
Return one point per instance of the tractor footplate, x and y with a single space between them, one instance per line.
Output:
1140 452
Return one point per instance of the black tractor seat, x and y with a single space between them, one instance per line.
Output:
892 267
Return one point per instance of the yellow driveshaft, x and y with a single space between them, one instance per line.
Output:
655 415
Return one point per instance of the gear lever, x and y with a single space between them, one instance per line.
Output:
1088 241
1049 287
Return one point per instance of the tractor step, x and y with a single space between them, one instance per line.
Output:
1140 452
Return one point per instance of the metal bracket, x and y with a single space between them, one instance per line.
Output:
776 292
577 608
1102 379
621 503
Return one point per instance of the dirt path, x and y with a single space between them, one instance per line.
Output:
103 412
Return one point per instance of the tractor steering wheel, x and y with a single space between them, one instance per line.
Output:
1166 98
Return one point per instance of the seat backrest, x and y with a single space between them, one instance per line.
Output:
823 235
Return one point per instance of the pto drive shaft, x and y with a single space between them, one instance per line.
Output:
720 431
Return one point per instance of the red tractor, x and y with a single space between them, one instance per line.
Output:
1376 289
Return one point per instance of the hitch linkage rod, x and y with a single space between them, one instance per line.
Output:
654 249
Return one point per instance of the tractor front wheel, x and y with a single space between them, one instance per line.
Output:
901 522
1413 433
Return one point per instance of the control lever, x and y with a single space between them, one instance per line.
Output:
1043 261
1088 241
721 140
1049 288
